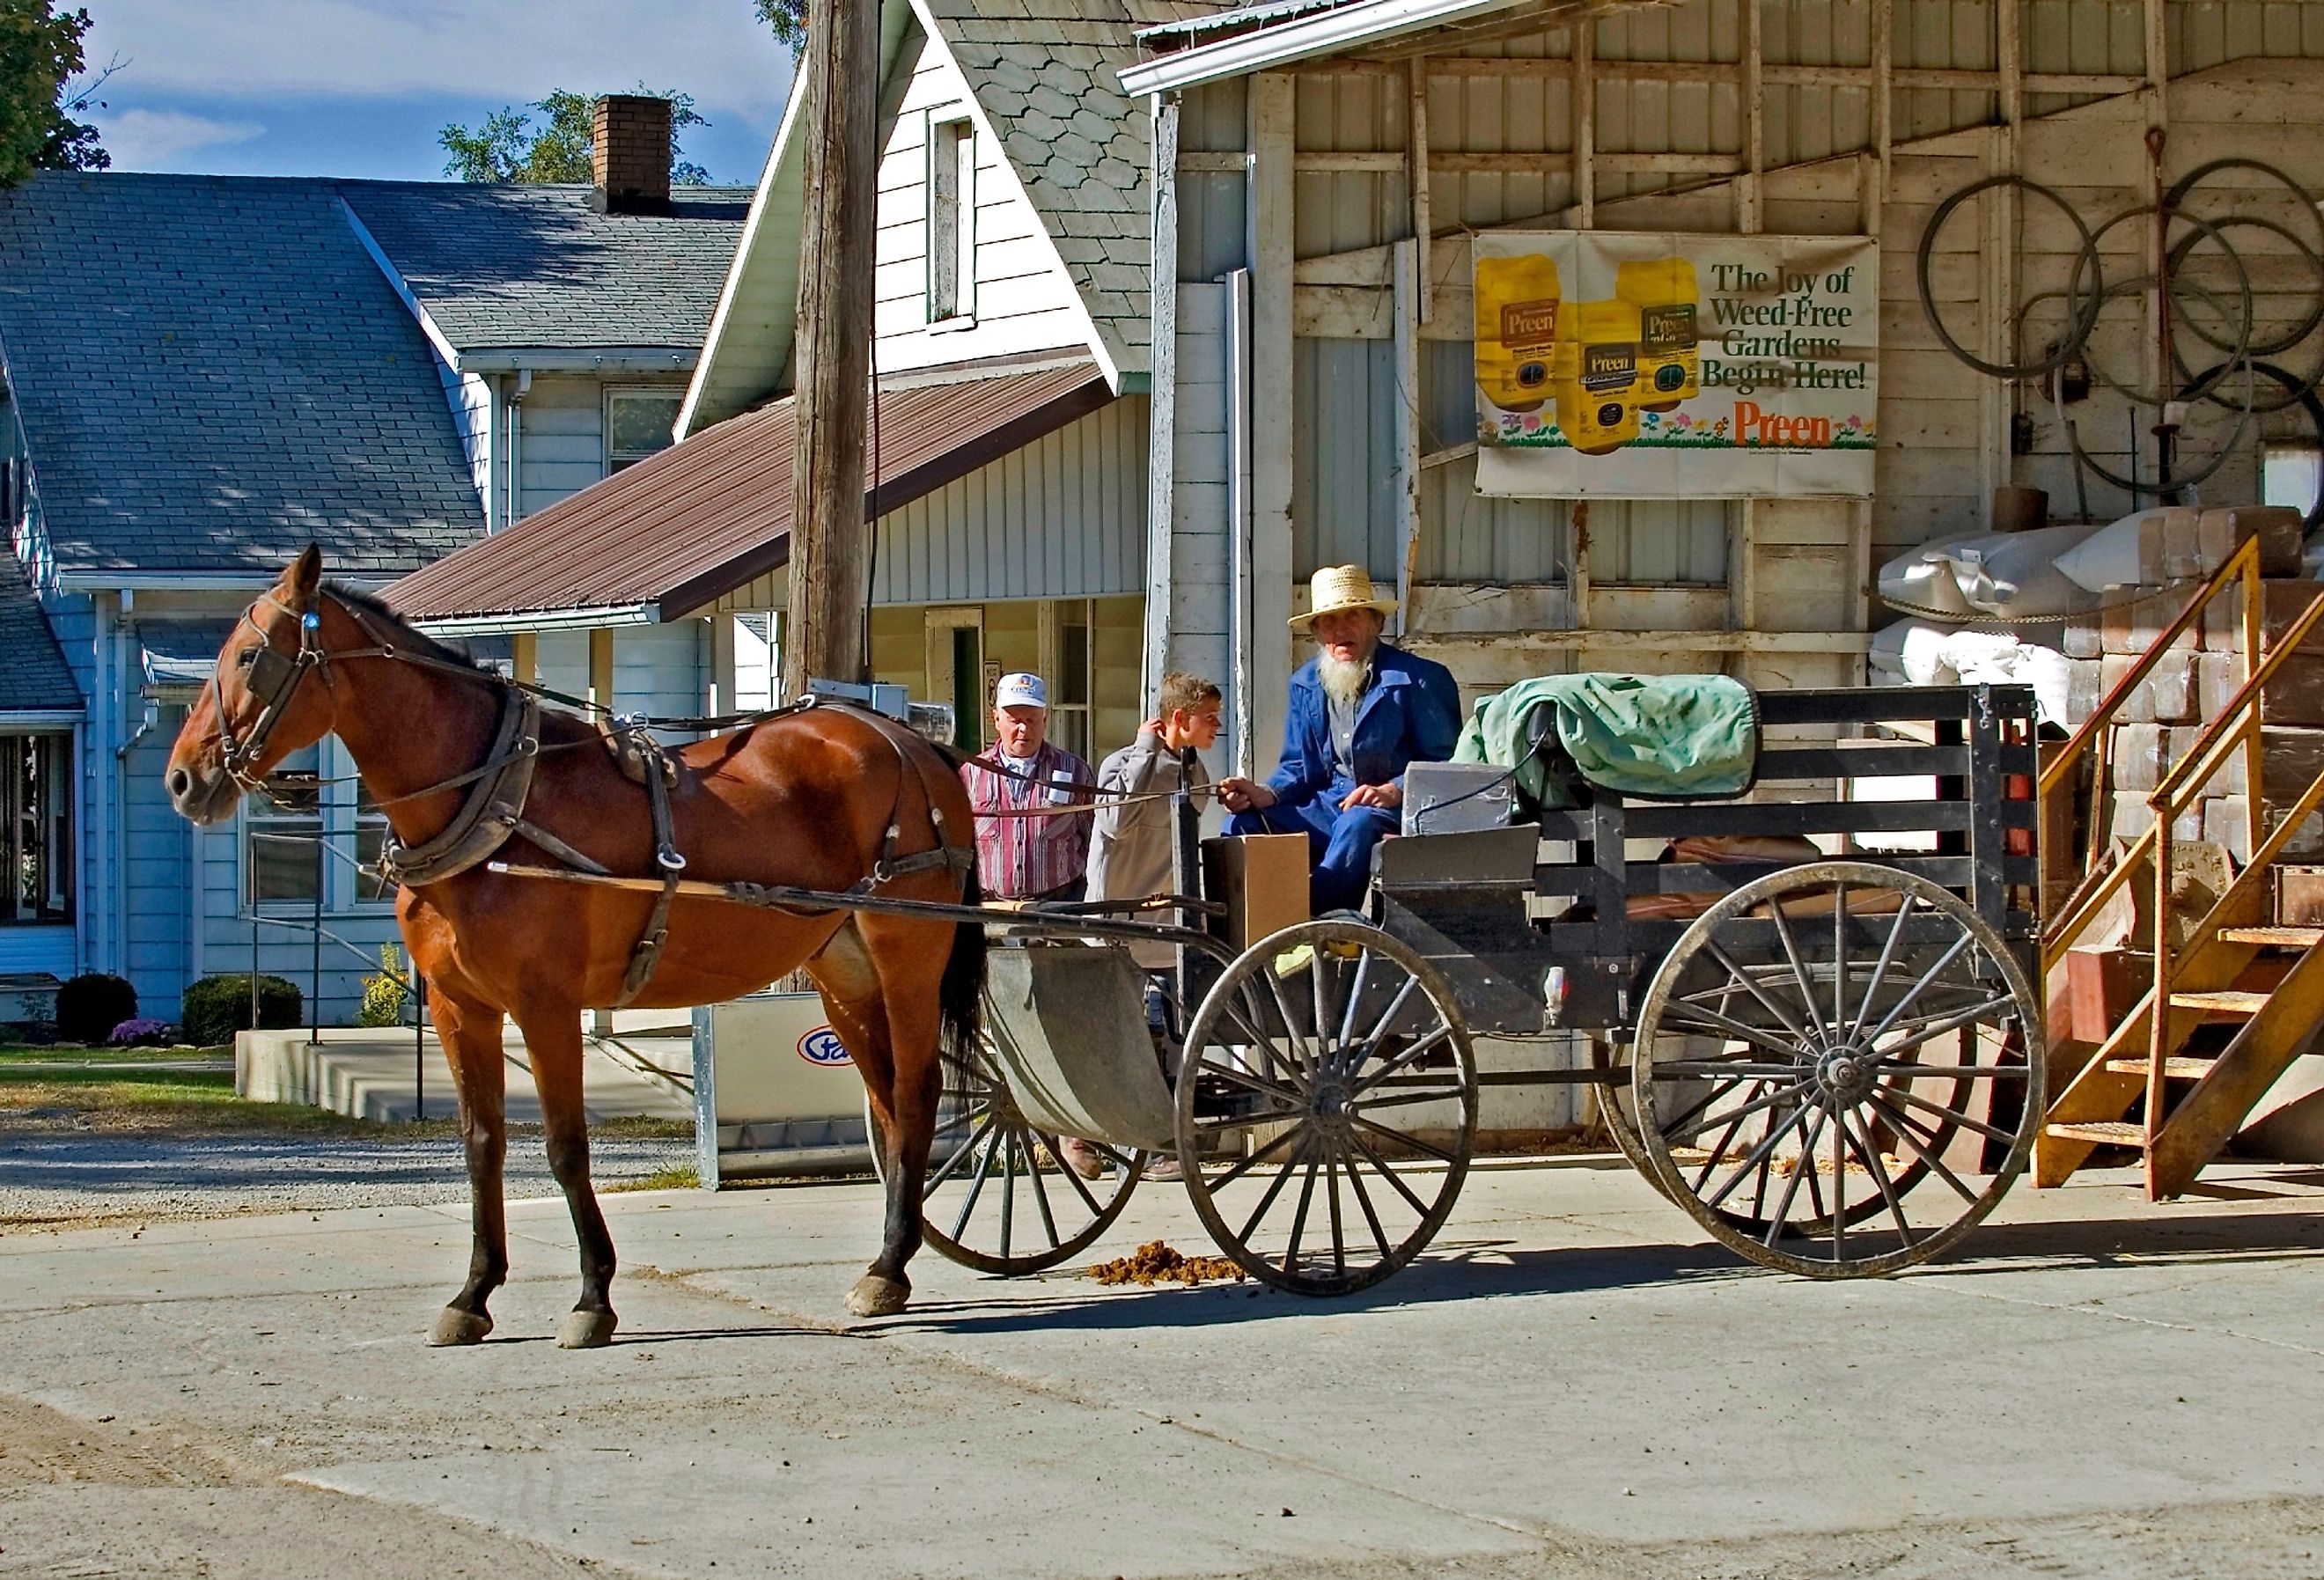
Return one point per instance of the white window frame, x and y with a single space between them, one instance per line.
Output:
617 459
346 890
1072 725
951 222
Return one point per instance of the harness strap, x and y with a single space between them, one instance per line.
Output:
489 813
558 847
651 943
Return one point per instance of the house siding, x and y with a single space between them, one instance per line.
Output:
1023 300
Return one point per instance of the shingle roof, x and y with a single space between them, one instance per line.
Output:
212 372
1043 71
531 266
34 678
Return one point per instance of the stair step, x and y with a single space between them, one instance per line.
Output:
2281 938
2225 1002
2108 1133
2178 1069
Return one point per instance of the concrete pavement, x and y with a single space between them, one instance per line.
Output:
1571 1383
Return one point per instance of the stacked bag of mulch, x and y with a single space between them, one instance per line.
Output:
2146 567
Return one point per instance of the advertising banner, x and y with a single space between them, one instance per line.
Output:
1672 366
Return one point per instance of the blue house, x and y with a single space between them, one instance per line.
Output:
202 375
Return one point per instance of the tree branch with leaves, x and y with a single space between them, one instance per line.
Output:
508 145
42 90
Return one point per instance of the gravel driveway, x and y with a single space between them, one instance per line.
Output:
52 1177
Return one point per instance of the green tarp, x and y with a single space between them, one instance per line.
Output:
1671 735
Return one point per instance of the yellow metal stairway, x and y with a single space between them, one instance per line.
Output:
2236 964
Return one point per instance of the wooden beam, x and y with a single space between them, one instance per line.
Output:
1206 161
601 668
1269 218
1748 209
1415 142
1162 421
1411 304
841 76
1884 126
524 659
1582 99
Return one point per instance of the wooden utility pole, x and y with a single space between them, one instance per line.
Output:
823 629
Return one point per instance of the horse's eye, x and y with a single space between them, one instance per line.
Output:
245 659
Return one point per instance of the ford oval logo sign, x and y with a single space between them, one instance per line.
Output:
822 1047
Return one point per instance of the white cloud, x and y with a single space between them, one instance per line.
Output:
161 139
513 50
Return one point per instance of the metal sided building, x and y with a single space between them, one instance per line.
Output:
1332 170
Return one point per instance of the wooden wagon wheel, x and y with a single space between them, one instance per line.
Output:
998 1197
1822 1041
1334 1056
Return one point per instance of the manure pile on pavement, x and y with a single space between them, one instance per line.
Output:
1156 1263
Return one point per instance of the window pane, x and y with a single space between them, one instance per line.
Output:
286 857
968 688
638 423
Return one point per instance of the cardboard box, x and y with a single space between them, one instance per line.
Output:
2168 695
2085 682
2101 986
1262 881
2281 603
2299 896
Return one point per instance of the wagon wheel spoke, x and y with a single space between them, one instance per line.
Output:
1744 979
1364 1200
1728 1026
959 1156
1757 1157
1380 1165
1379 1067
1081 1187
1792 1186
1800 973
976 1189
1955 1020
1880 966
1041 1198
1839 1169
1905 1133
1878 1169
1950 1115
1684 1129
1913 994
1008 1186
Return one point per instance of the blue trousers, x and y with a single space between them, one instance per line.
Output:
1339 844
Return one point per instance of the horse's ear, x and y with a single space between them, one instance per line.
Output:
305 574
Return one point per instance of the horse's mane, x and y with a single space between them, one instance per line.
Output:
407 635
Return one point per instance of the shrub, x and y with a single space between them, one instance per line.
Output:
92 1004
143 1034
217 1007
384 995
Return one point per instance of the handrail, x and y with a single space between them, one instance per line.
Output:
2242 703
2242 567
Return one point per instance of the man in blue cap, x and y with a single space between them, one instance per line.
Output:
1362 712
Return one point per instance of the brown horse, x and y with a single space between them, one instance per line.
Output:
821 798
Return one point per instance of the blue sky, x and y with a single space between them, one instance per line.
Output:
361 87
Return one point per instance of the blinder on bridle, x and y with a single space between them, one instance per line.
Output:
274 679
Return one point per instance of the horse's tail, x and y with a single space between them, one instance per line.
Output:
960 996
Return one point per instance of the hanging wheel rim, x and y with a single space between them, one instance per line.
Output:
1327 1108
1821 1042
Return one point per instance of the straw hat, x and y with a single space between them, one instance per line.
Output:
1335 588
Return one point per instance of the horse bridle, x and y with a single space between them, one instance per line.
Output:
271 678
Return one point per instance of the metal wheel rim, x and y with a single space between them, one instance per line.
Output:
1337 1098
1019 1209
1850 1129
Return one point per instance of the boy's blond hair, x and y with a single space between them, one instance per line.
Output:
1182 692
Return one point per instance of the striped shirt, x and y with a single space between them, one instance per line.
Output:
1028 858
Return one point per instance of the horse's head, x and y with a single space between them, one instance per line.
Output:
262 703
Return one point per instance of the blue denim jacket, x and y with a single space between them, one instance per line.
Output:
1411 714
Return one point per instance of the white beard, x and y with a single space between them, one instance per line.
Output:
1344 682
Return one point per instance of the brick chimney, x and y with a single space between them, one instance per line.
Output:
629 154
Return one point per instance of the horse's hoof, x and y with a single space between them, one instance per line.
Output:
586 1330
456 1326
874 1296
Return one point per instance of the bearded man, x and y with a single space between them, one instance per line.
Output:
1362 712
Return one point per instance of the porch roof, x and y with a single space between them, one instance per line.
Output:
660 540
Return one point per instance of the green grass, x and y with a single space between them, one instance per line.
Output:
682 1178
188 1101
71 1054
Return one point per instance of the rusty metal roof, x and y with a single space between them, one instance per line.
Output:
661 539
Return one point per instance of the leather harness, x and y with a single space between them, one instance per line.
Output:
493 811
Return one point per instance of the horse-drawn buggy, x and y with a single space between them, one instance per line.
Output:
1834 1064
1830 1055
